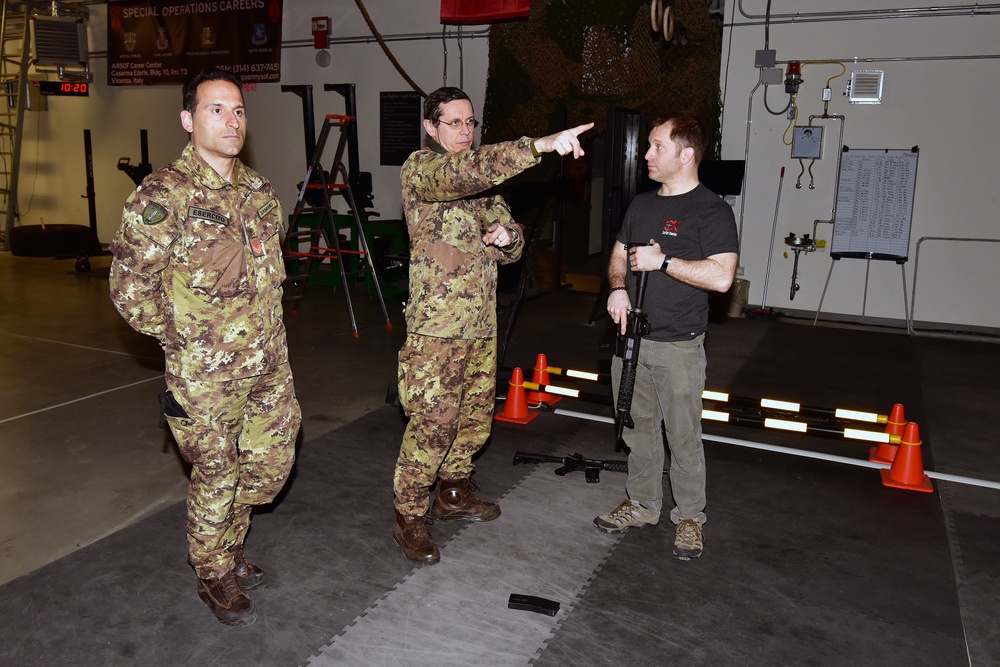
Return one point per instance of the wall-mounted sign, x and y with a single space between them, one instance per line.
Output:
400 126
166 41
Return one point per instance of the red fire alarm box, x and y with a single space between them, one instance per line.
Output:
483 11
321 32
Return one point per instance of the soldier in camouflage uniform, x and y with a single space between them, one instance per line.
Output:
198 265
447 366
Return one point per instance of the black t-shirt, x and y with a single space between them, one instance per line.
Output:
693 225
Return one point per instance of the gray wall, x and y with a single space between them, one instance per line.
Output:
935 97
53 174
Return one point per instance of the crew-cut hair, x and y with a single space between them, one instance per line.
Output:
685 130
203 76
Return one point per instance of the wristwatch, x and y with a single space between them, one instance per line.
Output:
666 263
514 236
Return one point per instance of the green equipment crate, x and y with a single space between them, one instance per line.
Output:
388 243
328 273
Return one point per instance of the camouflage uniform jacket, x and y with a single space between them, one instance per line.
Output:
198 265
453 274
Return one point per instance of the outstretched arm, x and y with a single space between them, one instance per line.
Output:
564 142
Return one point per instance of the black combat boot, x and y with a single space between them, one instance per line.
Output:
248 576
412 536
227 600
456 500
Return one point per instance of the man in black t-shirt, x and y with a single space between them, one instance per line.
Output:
692 249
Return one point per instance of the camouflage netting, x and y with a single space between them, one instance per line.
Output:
570 61
573 60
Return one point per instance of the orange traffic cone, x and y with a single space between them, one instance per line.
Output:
886 452
907 471
515 408
541 378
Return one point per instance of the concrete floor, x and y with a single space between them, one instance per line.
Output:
808 563
82 454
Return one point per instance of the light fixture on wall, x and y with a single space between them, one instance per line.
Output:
865 86
793 77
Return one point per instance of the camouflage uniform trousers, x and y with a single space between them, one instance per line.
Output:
447 388
240 441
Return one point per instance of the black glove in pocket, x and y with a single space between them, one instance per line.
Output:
169 407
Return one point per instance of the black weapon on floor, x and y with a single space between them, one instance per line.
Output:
591 467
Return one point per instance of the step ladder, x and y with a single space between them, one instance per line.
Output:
15 47
324 238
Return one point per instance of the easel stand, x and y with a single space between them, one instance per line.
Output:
864 301
325 229
874 209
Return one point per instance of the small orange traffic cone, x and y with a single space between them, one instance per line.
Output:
515 408
907 471
886 452
541 378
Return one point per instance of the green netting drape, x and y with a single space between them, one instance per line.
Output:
572 59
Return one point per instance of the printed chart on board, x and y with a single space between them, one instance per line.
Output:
875 203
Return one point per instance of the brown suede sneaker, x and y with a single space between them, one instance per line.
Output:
227 600
248 576
412 536
456 501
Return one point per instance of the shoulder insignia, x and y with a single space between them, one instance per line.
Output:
267 208
153 214
206 214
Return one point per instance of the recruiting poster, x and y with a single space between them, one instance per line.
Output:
153 42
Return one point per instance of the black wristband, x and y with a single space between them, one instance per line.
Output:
614 289
666 263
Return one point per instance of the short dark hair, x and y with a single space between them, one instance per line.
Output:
440 97
203 76
685 130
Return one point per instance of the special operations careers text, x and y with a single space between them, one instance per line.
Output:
190 8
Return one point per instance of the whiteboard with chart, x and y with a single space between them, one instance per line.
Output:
874 203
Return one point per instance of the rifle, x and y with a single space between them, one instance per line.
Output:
636 327
591 467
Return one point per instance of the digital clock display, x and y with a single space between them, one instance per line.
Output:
71 88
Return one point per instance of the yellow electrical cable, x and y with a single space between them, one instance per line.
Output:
795 99
843 68
791 121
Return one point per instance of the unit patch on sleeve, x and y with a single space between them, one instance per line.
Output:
153 214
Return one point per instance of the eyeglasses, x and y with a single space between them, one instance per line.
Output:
471 123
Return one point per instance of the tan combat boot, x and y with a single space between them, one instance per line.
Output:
248 576
227 600
412 536
456 500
